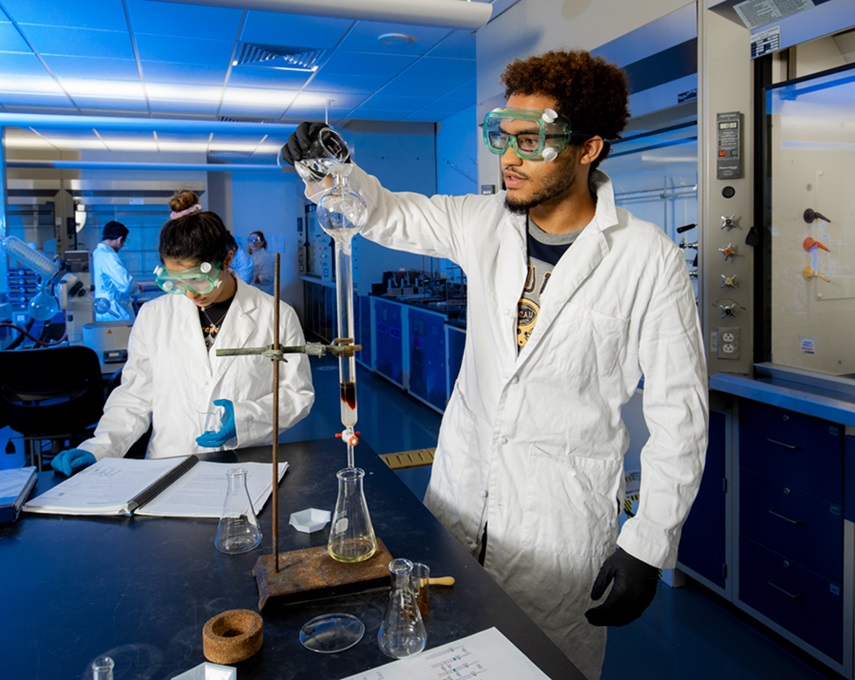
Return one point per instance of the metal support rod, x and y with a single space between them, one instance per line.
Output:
276 414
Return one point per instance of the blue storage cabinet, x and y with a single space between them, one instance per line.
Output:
791 523
455 342
427 357
388 341
703 543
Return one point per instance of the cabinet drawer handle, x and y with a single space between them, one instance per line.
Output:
777 514
792 596
791 447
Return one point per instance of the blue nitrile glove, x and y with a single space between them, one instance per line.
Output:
227 430
633 590
71 460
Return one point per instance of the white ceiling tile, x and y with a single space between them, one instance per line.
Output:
358 63
362 84
103 14
457 45
177 72
176 20
293 30
442 69
262 76
88 68
21 65
11 40
85 43
365 38
189 50
411 87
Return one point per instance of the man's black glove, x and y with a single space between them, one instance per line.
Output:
633 590
301 141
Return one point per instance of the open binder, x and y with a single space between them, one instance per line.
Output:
15 486
164 487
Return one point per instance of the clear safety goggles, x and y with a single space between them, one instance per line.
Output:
201 279
544 139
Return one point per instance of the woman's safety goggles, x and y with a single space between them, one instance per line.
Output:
201 279
544 138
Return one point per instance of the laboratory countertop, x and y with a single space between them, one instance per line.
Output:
141 589
824 401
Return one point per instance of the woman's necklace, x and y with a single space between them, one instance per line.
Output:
212 328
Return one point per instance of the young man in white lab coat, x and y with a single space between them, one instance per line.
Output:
173 375
570 302
114 287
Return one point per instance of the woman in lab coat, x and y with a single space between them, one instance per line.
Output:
529 465
262 262
113 285
173 376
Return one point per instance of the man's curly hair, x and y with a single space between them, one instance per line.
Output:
590 91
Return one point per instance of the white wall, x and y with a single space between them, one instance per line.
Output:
267 201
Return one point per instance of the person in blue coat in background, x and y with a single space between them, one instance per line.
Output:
114 287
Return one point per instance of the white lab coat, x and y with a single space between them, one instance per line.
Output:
113 283
262 269
171 378
532 443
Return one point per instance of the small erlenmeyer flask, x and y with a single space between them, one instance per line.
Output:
352 534
238 531
402 632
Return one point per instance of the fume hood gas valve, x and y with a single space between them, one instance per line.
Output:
729 281
729 222
728 251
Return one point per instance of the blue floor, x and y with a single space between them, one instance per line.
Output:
686 633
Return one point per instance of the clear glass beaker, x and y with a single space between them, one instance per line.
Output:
351 535
238 531
328 149
402 632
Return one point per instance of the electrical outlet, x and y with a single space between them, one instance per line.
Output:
729 342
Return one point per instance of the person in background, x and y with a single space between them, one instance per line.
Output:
173 375
571 301
242 264
113 285
262 270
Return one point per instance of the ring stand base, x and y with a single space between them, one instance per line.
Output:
312 574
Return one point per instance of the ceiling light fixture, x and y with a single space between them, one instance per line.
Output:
396 39
444 13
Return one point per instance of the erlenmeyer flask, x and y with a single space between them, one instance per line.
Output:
402 632
238 531
351 535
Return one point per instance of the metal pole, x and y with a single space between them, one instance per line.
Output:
276 415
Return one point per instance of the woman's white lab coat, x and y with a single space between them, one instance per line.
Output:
532 443
170 378
262 270
113 283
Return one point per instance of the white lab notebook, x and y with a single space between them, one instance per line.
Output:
163 487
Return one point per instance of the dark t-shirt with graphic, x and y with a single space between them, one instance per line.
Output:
544 251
